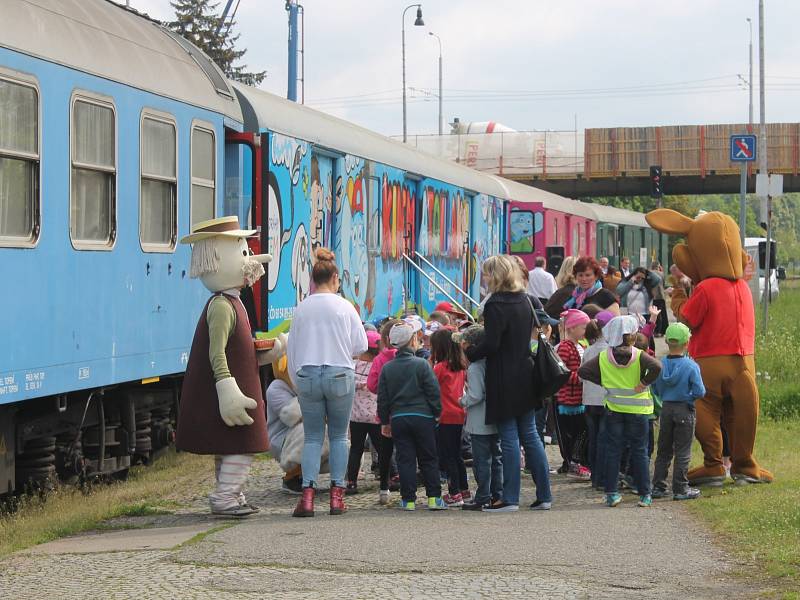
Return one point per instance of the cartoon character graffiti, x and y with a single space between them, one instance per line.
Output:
320 198
277 236
521 232
301 264
355 260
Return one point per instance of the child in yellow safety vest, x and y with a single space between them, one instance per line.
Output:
626 373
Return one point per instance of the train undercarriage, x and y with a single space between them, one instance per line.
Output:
87 435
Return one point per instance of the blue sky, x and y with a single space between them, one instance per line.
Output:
530 65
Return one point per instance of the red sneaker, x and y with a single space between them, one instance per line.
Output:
454 500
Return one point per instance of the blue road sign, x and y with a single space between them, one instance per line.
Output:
743 148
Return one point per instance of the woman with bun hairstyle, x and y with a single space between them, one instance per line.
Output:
326 334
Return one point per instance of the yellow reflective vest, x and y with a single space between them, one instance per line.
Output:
620 381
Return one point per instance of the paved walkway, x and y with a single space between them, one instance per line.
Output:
580 549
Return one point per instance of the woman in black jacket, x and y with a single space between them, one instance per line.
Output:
510 401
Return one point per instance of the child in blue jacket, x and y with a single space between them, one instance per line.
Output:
678 385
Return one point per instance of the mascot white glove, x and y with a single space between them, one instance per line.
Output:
232 403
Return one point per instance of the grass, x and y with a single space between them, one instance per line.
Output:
761 523
149 490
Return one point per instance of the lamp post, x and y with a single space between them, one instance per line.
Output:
418 23
441 120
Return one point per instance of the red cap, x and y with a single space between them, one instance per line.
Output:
447 307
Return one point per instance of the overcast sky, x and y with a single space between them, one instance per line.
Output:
532 64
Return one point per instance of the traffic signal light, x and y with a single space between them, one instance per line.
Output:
656 191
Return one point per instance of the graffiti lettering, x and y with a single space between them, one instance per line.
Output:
289 153
352 163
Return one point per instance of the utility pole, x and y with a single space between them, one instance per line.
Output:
743 167
441 119
763 161
293 9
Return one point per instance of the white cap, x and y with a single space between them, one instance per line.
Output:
400 334
432 328
415 321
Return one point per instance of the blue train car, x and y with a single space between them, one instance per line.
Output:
111 145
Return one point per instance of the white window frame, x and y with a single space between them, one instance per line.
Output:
205 127
163 117
105 102
32 241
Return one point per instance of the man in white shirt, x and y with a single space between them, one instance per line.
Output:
541 284
604 264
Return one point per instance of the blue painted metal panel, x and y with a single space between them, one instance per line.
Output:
80 319
487 238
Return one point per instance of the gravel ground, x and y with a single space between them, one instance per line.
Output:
580 549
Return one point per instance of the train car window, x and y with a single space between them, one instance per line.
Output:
203 175
576 248
158 207
92 215
19 163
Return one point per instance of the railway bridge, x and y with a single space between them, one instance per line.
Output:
616 161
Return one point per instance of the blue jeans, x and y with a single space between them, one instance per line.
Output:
487 466
325 392
513 433
623 429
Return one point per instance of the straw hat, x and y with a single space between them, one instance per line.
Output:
227 226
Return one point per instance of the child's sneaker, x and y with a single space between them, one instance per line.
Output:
407 505
645 501
466 495
351 488
580 472
454 500
540 505
690 494
500 507
658 493
384 497
437 504
613 500
394 484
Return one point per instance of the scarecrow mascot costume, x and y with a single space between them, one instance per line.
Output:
222 407
721 316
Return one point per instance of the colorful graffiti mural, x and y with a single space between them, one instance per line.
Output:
487 236
523 227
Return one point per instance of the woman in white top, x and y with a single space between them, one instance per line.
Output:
326 334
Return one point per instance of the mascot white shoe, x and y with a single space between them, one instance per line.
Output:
221 407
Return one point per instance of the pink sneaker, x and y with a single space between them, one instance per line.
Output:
454 500
582 473
466 495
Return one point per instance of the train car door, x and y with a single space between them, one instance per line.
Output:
487 238
526 231
321 190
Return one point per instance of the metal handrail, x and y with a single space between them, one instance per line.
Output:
438 287
447 279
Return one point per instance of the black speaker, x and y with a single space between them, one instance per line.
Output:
555 256
762 255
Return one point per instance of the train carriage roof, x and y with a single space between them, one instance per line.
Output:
107 40
620 216
263 110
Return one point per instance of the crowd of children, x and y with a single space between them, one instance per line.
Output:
418 399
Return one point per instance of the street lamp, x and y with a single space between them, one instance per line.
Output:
440 80
418 23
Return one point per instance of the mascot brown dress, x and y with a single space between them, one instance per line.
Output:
721 316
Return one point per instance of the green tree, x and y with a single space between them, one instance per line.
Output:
197 21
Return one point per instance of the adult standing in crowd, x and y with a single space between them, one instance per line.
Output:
604 264
326 334
611 279
541 284
660 299
636 291
589 287
565 281
625 267
510 398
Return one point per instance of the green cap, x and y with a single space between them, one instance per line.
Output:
678 332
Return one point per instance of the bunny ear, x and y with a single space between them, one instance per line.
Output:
667 220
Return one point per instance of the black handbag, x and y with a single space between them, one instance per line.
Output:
549 371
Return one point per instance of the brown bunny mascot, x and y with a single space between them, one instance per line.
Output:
721 316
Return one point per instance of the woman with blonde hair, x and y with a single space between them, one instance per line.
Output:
565 280
510 398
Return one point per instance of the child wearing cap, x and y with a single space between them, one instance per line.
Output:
678 385
408 407
364 422
569 399
418 323
593 399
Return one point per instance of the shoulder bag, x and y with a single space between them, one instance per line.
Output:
549 371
